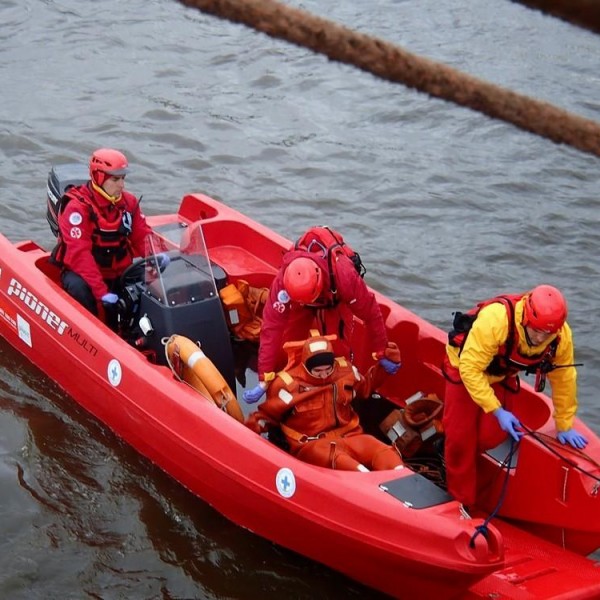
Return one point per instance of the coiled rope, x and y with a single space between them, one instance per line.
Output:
395 64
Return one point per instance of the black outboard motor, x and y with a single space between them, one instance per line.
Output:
183 299
60 179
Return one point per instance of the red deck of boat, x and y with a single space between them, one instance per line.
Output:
341 519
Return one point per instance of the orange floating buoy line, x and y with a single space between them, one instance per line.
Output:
395 64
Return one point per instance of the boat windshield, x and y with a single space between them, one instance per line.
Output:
188 275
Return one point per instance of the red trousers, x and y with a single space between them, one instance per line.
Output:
348 453
468 431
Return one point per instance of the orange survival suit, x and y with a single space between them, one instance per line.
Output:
316 414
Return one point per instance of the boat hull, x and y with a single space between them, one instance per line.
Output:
390 542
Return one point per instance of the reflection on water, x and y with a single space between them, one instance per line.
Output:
129 530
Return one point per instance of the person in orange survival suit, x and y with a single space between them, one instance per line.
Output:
101 230
311 401
504 335
301 297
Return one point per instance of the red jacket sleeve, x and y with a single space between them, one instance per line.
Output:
76 228
353 291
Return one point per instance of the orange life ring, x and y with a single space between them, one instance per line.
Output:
190 364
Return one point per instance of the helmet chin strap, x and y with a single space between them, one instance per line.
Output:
526 331
101 191
527 338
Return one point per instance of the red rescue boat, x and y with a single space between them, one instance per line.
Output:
396 531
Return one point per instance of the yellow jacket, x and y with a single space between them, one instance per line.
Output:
488 333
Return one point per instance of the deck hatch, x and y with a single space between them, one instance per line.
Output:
416 491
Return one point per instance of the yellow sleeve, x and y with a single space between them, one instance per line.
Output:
564 382
488 333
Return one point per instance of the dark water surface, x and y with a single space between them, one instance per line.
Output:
446 206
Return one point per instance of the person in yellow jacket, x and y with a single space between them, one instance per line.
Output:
311 401
487 348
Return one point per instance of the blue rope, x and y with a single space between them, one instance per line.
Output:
483 528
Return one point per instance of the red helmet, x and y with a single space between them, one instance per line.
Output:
545 309
106 161
303 280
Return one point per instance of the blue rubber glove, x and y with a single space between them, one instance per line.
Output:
110 298
508 422
255 394
389 366
572 437
163 261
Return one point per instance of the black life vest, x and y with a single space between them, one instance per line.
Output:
110 236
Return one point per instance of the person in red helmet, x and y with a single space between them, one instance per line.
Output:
314 290
101 229
311 402
303 280
486 350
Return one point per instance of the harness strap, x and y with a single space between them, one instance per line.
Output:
332 454
302 438
287 378
341 361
